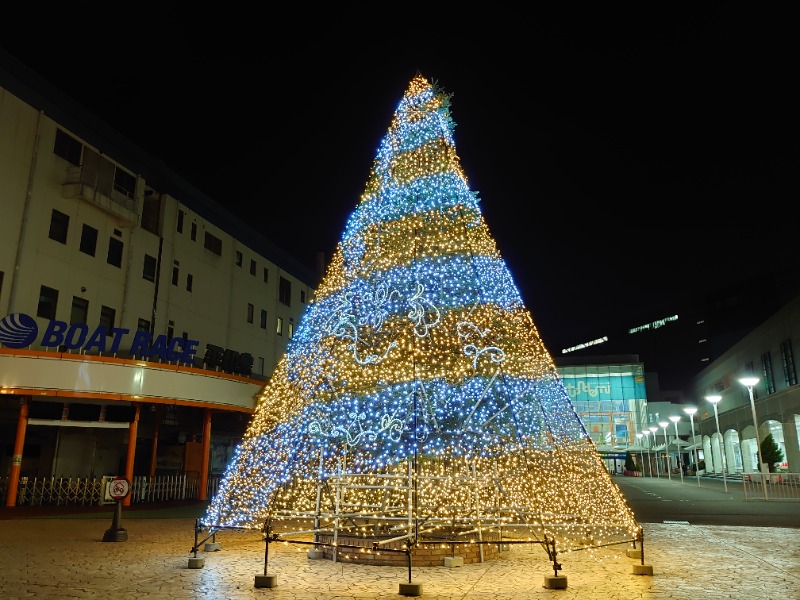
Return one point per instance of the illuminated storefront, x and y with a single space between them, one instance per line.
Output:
611 400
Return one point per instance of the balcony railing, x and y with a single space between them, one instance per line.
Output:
81 184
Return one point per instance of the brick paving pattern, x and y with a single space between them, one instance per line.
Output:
66 558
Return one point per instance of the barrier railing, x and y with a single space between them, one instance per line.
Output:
771 486
64 491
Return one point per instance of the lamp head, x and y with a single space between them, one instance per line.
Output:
675 419
749 381
714 398
639 435
653 430
690 410
663 424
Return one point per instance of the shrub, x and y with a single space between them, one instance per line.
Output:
770 452
629 464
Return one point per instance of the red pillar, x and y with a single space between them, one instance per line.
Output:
154 447
203 483
16 463
132 431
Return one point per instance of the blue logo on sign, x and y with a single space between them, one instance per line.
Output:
18 330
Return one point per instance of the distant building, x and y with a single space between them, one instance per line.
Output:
679 344
609 394
739 329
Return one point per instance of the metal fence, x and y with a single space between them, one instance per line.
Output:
771 486
65 491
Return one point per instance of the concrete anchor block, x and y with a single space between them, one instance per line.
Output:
266 581
315 554
411 589
634 553
196 562
453 561
555 582
212 547
642 569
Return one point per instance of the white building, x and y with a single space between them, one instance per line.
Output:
766 353
138 318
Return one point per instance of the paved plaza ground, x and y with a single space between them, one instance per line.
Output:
66 557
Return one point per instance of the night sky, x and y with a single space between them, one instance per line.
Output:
628 161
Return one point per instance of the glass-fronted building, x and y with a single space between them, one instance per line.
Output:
610 396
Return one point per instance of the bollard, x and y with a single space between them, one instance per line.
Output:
116 533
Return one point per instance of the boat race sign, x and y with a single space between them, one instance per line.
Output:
20 330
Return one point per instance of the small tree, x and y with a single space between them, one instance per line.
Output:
770 452
630 465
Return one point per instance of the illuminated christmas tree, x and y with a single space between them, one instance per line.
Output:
416 399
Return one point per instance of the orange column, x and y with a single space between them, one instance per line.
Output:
203 483
154 448
16 463
133 428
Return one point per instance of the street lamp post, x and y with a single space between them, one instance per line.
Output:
675 419
690 410
655 441
646 434
641 450
664 425
749 382
714 399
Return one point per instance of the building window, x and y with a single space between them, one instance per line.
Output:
789 368
176 267
107 318
302 296
181 215
149 268
151 212
143 325
194 232
285 291
769 375
250 310
291 328
124 182
238 259
266 275
80 310
59 225
97 172
68 148
189 282
263 319
114 252
170 329
279 326
88 240
260 365
252 267
48 301
213 243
